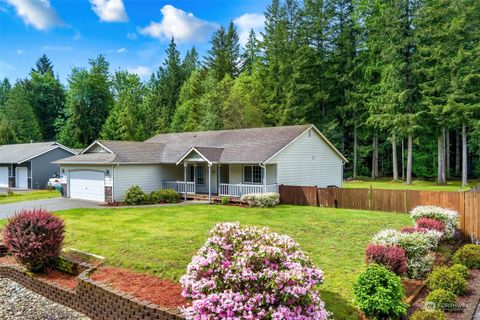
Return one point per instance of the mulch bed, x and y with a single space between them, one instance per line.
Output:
164 293
463 302
61 278
410 285
58 277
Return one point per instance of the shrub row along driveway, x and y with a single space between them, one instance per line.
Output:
54 204
162 240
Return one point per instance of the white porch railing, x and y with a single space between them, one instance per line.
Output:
238 190
179 186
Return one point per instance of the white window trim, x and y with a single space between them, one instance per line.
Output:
243 174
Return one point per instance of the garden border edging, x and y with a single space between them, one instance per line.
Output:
93 299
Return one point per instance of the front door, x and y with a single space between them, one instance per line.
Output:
22 177
201 183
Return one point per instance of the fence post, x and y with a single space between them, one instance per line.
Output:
316 196
405 197
370 197
462 211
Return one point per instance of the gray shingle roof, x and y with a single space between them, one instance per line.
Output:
226 146
18 153
239 146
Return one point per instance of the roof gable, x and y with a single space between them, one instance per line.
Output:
18 153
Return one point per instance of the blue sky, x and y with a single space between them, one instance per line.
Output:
133 34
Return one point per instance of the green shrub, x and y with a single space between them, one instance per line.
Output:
469 256
419 267
135 196
225 200
379 293
447 279
461 269
428 315
441 300
164 195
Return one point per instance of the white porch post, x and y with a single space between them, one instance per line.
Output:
264 178
185 178
209 183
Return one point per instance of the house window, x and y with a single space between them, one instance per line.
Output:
201 175
252 174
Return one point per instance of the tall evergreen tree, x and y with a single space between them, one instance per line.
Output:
43 65
224 55
19 113
251 52
46 95
190 63
89 102
7 132
5 88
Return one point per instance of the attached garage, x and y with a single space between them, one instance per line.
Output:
3 177
87 185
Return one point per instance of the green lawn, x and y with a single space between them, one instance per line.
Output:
29 195
162 241
416 185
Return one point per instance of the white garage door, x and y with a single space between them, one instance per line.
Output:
4 177
87 185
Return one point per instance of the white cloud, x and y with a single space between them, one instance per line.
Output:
56 48
248 21
132 35
141 71
20 52
181 25
109 10
122 50
37 13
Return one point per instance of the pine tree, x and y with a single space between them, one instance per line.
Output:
46 95
190 63
19 113
251 53
89 102
43 65
7 132
224 55
5 88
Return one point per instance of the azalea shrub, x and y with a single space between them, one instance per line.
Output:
35 238
392 257
251 273
270 199
447 216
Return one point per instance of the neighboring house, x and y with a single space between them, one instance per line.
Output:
29 165
227 162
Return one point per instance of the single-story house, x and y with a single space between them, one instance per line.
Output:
29 165
225 163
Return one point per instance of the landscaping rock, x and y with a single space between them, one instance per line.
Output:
18 303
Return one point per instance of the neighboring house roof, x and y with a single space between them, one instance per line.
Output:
255 145
19 153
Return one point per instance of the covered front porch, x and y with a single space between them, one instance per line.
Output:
195 174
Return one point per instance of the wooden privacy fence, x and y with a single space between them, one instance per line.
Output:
466 203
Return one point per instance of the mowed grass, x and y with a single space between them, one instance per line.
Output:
162 240
416 185
28 195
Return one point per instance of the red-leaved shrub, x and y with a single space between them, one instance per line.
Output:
392 257
413 229
35 238
431 224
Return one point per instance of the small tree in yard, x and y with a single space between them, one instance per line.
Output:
251 273
35 238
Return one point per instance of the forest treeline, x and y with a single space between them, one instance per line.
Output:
394 84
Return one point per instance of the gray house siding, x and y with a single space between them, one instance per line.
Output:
43 168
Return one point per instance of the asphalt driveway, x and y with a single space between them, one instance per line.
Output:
53 204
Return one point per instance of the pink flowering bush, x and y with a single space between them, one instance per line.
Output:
251 273
430 224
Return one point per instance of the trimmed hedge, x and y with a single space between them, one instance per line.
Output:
469 256
441 299
428 315
447 279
